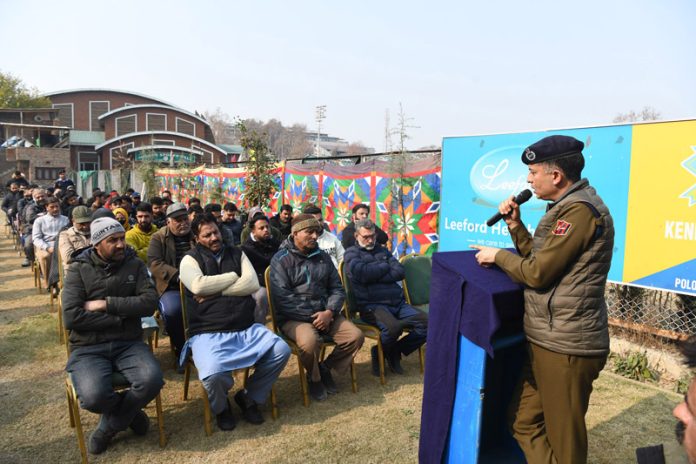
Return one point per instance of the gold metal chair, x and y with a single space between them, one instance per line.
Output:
296 350
207 416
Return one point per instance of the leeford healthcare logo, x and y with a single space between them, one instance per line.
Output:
690 165
499 174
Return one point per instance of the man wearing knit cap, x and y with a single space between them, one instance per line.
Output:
564 268
308 297
107 290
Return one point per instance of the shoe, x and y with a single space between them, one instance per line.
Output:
374 353
317 390
394 361
99 441
327 379
55 292
225 420
26 263
140 423
250 410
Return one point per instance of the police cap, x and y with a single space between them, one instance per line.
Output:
551 148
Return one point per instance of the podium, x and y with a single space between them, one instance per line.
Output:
476 347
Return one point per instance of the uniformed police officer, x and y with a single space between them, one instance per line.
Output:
564 267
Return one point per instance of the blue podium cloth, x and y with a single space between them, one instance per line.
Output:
465 299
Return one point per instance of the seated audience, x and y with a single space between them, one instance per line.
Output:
283 221
260 248
139 236
360 211
327 241
44 233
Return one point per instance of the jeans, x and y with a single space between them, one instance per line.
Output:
259 384
392 320
170 307
91 369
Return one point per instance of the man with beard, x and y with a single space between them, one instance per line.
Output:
167 248
139 236
30 212
76 237
360 211
375 275
283 221
106 292
44 233
219 281
159 218
260 248
308 300
230 226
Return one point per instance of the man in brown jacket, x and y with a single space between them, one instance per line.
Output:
77 236
564 267
167 247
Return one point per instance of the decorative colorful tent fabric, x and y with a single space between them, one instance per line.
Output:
404 204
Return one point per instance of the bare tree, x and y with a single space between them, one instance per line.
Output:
221 125
648 113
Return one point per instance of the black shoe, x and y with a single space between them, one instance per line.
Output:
374 352
99 441
394 361
140 423
250 410
225 420
316 390
55 292
26 263
327 379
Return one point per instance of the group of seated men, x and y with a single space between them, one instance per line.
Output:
107 290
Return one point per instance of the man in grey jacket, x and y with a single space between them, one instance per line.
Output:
308 298
107 290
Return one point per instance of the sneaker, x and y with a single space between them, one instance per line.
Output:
374 353
26 263
140 423
327 379
250 410
394 361
316 390
99 441
225 420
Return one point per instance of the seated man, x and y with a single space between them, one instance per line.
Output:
46 229
107 290
76 237
374 274
260 248
327 241
308 299
140 234
283 221
223 336
30 212
159 218
360 211
167 248
230 226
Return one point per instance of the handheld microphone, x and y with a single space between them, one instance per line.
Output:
522 197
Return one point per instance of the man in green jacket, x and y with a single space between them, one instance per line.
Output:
564 267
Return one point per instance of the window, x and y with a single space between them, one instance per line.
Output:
44 174
156 122
88 161
163 142
185 127
126 124
96 109
65 114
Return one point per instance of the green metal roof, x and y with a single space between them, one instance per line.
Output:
231 149
78 137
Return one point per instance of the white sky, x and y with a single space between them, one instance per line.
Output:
458 67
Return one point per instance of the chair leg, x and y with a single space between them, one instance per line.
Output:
303 382
353 377
421 355
61 334
187 375
70 407
207 416
274 404
380 356
160 420
78 424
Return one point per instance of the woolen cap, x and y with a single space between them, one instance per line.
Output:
304 221
551 148
104 227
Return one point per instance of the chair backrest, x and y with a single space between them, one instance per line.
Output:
350 305
271 305
417 280
184 313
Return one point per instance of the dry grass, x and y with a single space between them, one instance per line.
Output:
378 424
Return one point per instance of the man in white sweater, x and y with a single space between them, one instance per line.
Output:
44 233
223 336
327 241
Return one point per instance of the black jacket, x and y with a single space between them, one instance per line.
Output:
304 284
9 203
348 237
231 232
260 254
125 286
374 275
283 227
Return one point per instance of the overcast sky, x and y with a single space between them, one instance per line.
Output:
458 68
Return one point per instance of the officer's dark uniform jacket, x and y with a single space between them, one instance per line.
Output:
568 315
125 286
222 313
374 275
302 285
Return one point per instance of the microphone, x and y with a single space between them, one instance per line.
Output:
522 197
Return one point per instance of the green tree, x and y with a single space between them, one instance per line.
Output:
14 94
259 183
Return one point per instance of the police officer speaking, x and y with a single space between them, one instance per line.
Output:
564 268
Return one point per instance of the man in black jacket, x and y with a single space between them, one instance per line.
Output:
260 248
374 273
308 298
107 290
283 221
360 211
